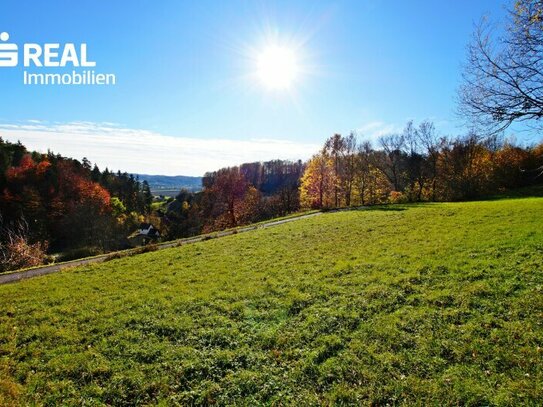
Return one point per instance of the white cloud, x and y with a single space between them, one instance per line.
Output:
376 129
142 151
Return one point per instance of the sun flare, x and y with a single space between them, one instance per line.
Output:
277 67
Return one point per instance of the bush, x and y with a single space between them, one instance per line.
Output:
18 253
396 197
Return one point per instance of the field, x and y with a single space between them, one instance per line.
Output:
432 304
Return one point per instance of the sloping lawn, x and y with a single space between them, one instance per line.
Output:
432 304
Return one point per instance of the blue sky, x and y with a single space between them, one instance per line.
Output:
185 75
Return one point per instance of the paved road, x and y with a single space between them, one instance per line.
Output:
40 271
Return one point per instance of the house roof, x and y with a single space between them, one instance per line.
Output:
146 230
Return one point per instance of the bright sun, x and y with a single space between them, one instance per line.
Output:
277 67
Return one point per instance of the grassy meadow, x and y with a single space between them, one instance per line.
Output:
429 304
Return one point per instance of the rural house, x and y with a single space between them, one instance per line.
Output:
146 233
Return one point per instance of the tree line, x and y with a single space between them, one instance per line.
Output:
235 196
53 204
415 165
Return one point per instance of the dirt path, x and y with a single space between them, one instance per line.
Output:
40 271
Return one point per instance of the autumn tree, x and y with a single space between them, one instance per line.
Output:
347 174
230 188
67 203
391 159
288 199
363 179
371 183
341 153
428 141
318 183
465 168
229 200
415 163
334 148
27 193
83 216
510 162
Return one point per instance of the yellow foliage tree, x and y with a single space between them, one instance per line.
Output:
318 183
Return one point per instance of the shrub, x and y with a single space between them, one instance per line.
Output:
18 253
396 197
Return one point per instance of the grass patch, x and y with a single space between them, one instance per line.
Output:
438 304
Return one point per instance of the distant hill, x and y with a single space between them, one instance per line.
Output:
171 185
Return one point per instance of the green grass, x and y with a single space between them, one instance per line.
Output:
434 304
138 250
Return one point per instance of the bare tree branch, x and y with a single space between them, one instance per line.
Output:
503 78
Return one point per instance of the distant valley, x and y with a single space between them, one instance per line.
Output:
171 185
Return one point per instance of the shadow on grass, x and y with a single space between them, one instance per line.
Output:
391 208
525 192
398 207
